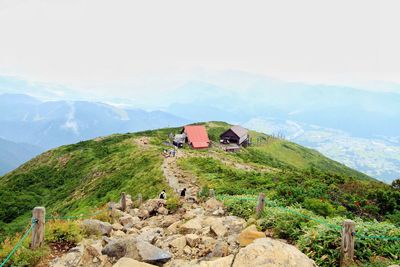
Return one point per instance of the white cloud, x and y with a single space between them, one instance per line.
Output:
71 124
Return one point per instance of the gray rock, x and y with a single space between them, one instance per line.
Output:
150 234
115 249
95 227
152 254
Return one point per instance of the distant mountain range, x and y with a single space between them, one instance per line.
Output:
14 154
359 128
50 124
29 126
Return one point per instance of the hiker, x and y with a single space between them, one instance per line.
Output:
163 195
183 192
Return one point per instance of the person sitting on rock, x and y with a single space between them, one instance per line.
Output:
183 192
163 195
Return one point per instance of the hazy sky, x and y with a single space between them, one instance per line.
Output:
98 45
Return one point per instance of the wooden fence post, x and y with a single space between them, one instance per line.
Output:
347 247
39 217
111 206
139 199
212 193
123 201
260 204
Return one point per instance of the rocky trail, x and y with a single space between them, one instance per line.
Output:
196 234
177 178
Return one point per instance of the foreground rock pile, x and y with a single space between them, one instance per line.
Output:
199 235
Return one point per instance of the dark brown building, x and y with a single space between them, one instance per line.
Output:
235 135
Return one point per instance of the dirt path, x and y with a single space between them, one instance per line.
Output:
177 178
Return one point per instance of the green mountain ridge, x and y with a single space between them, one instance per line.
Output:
82 177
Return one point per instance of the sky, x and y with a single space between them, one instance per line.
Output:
130 47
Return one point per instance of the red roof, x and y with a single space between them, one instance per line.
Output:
197 136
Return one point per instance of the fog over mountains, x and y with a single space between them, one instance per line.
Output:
30 126
359 128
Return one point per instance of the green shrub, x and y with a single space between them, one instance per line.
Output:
395 218
204 192
27 257
173 204
63 231
371 247
284 224
321 243
241 208
320 207
24 256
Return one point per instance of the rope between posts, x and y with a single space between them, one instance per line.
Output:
392 238
19 244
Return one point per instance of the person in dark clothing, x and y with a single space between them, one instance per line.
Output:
183 192
163 195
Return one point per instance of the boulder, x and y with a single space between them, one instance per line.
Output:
269 252
117 226
194 213
218 262
218 212
187 250
117 233
192 240
82 255
150 234
115 248
128 262
221 249
216 226
128 219
134 212
249 234
209 243
191 226
143 214
92 258
173 228
162 210
178 243
152 205
152 254
71 259
234 224
168 220
213 204
95 227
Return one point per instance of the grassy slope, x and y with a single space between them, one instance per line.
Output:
299 175
78 178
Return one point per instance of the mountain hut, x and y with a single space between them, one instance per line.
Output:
196 136
236 135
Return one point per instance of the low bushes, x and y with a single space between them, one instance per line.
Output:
63 231
320 238
56 232
173 204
